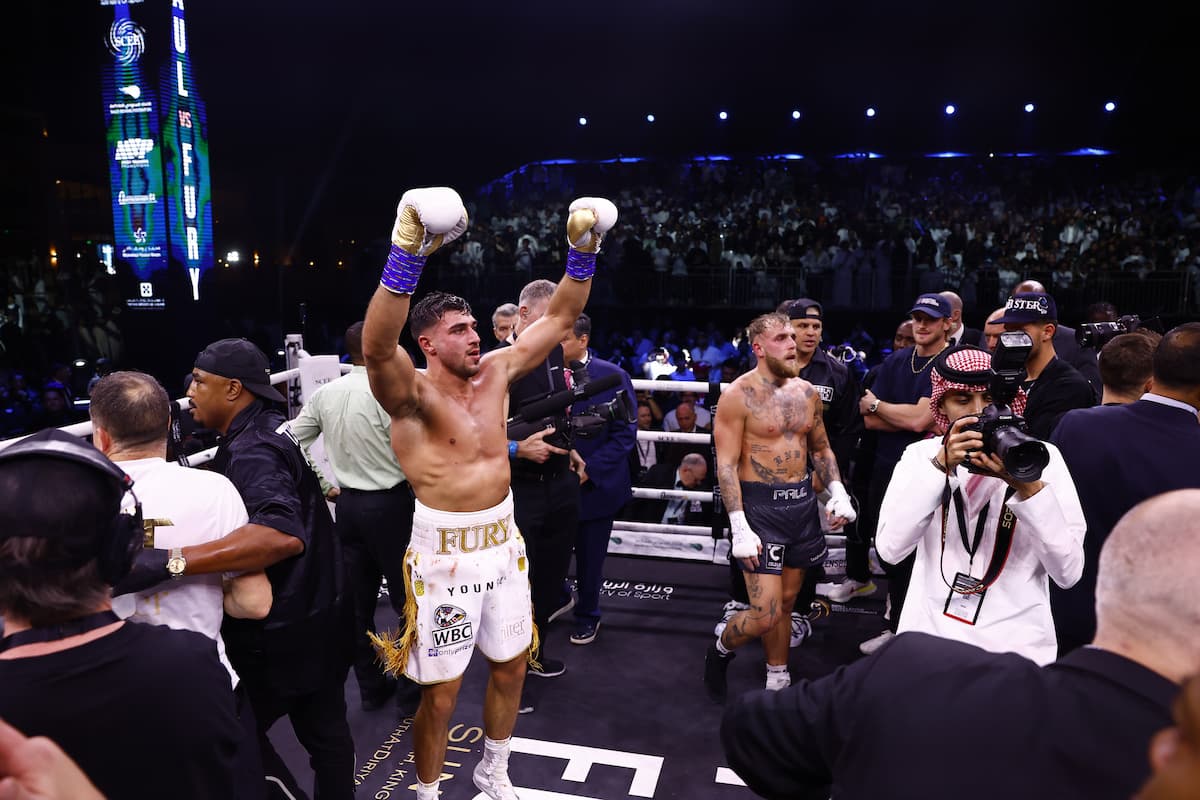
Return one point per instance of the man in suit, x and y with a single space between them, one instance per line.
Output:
1053 385
691 475
925 714
960 333
1119 455
1065 344
606 481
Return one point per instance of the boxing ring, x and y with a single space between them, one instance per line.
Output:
304 373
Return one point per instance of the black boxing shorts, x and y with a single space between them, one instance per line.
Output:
786 518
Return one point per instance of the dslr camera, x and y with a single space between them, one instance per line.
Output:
537 415
1098 334
1005 434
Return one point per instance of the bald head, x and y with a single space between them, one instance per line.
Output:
1028 286
1147 606
993 329
693 469
955 310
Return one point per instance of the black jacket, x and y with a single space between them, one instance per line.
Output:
542 381
927 717
1059 389
839 399
304 640
1118 456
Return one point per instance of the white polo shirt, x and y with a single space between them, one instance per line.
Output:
186 507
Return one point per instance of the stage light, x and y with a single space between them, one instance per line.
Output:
1029 108
649 118
724 115
870 112
233 256
1110 106
582 121
795 115
950 109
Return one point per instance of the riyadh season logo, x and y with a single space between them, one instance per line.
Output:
126 41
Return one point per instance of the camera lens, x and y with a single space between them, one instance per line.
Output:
1024 457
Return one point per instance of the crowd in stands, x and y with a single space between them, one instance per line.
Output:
53 315
848 231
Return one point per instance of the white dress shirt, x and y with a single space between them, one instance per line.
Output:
1047 543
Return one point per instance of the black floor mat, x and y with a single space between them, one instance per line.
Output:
628 719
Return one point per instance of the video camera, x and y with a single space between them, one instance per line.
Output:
1005 433
546 412
1098 334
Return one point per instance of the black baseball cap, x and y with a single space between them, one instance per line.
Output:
1029 307
804 307
242 360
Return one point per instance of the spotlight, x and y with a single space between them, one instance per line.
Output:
649 118
724 115
950 109
233 256
795 115
582 121
1029 108
1110 106
870 112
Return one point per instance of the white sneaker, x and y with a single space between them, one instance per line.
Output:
801 630
492 780
849 589
871 645
731 608
778 680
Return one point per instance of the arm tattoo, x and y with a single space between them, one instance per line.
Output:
820 453
731 488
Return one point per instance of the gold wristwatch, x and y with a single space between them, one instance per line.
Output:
176 563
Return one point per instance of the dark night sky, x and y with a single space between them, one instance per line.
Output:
329 110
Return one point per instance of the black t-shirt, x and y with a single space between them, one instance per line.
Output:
146 711
897 382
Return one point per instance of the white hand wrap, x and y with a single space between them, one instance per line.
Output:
745 541
839 504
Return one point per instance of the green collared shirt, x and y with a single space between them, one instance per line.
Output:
357 433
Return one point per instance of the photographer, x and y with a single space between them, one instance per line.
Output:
981 573
606 488
1054 386
545 484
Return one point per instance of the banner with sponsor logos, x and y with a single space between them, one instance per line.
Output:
158 149
134 156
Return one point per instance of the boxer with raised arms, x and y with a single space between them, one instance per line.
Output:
466 568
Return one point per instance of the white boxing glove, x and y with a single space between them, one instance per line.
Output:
426 219
588 219
746 543
839 504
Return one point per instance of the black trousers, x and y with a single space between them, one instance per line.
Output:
319 720
547 513
374 529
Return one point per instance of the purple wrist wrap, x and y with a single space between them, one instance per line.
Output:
401 272
580 266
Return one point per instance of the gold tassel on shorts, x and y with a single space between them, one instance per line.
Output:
535 642
393 647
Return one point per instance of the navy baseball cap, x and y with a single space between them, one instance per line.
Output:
240 359
804 307
932 304
1028 307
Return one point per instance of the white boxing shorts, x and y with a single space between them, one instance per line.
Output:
468 577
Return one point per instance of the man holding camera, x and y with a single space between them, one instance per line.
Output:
1120 455
986 542
1054 386
545 483
606 487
